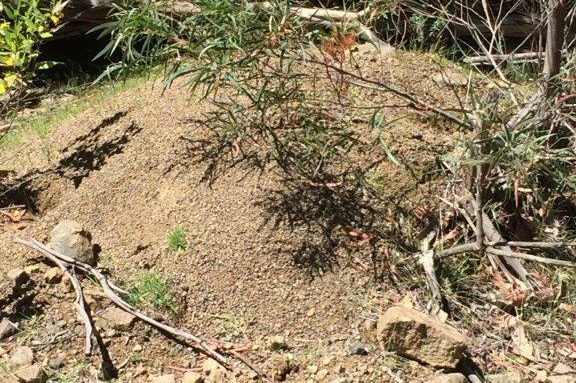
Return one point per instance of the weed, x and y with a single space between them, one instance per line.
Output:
152 290
176 239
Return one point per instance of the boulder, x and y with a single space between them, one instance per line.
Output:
71 239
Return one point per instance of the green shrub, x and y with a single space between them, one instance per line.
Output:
22 27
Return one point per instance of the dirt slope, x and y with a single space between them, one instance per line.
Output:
125 169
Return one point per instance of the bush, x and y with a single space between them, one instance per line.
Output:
22 28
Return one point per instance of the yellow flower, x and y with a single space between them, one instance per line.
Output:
2 88
4 26
55 17
10 80
10 60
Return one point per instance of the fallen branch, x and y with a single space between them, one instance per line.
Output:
109 292
498 58
318 13
529 257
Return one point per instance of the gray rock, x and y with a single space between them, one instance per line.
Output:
359 348
72 240
169 378
31 374
56 362
7 328
420 337
21 356
448 378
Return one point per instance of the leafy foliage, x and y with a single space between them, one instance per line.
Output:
22 28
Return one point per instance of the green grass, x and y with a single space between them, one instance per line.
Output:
152 290
176 239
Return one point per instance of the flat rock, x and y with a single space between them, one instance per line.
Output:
71 239
31 374
21 356
8 378
507 377
448 378
7 328
358 348
420 337
450 77
118 318
168 378
569 378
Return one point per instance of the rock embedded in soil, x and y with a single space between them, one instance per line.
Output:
358 348
33 373
18 277
53 275
420 337
71 239
116 318
21 356
7 328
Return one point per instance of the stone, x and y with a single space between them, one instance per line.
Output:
192 377
358 348
450 77
33 373
71 239
321 375
21 356
168 378
448 378
508 377
562 369
210 365
117 319
7 328
420 337
56 363
53 275
18 277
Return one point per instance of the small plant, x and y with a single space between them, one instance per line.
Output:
176 239
152 290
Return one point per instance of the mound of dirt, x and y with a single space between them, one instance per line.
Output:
126 171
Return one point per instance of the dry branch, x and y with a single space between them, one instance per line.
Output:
109 292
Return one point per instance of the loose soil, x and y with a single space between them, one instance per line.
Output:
125 169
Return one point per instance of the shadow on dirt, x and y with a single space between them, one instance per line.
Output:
84 155
332 224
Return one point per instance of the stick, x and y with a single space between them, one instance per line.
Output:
78 303
529 257
317 13
102 280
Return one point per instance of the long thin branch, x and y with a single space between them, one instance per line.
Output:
79 303
109 292
529 257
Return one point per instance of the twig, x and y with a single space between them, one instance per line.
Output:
78 302
7 208
102 280
529 257
540 245
317 13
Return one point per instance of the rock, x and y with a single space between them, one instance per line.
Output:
450 77
277 343
7 328
21 356
209 366
117 319
420 337
192 377
31 374
562 369
53 275
570 378
18 277
448 378
508 377
358 348
169 378
56 362
321 375
72 240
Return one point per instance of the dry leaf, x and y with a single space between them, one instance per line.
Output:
522 344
